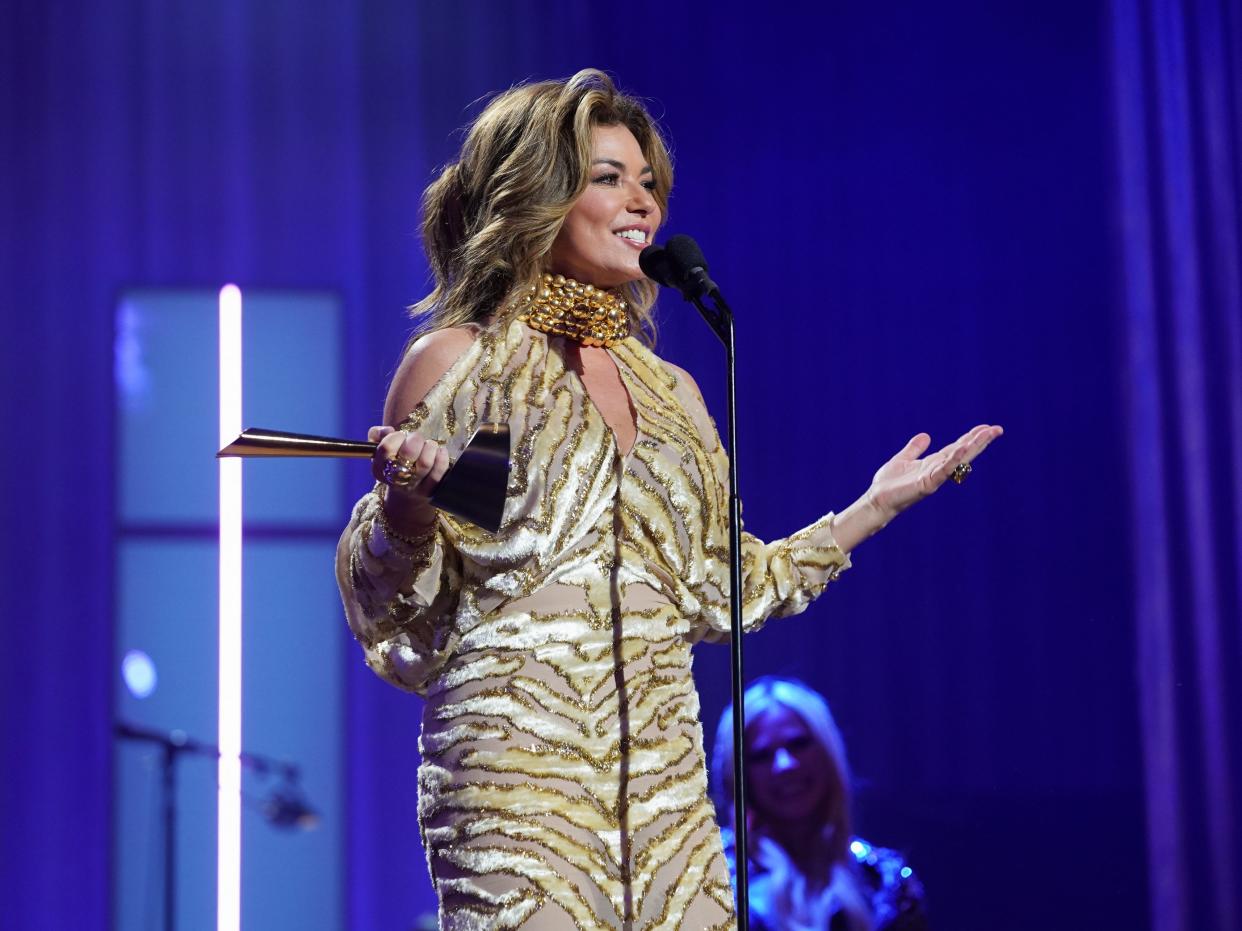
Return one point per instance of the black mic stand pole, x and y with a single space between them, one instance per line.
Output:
168 784
174 744
720 318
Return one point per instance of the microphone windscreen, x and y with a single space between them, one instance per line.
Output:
684 254
654 262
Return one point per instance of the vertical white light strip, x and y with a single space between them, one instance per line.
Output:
228 813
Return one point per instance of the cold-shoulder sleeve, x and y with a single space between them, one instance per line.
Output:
399 595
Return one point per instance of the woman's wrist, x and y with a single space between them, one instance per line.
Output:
858 522
407 519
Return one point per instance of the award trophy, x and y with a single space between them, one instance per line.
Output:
473 488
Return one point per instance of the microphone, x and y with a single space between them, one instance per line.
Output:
689 267
654 262
679 264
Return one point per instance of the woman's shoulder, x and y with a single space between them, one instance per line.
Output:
441 346
896 892
425 362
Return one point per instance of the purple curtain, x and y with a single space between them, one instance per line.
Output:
1178 94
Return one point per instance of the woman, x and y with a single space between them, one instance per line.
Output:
808 871
563 781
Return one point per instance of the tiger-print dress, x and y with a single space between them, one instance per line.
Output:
563 782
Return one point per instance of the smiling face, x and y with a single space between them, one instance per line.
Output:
614 219
789 772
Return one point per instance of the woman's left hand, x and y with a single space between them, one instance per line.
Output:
906 478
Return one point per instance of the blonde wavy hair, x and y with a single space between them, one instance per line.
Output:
797 902
490 218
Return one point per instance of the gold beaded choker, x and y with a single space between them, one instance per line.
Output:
589 315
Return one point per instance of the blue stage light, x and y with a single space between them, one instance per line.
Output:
139 673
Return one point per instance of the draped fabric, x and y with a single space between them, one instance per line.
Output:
1178 95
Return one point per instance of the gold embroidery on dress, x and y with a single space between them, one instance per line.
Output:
510 638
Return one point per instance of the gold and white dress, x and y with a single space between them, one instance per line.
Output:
563 782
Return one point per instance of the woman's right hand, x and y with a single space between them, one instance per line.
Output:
407 503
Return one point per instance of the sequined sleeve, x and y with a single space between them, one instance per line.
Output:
898 902
783 577
779 578
398 595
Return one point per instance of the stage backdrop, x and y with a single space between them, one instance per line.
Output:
913 212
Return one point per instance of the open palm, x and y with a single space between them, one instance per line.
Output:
907 478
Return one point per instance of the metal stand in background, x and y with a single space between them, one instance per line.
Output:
285 808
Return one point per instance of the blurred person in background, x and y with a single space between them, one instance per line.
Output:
808 872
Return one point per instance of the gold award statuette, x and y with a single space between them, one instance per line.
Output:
472 489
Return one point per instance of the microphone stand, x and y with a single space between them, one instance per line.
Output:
720 318
175 744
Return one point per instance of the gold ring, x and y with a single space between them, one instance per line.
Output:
960 471
398 472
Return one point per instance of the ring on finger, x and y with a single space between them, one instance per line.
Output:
399 471
960 471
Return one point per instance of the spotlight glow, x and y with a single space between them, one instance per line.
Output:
228 813
139 674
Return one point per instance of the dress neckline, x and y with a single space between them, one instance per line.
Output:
624 376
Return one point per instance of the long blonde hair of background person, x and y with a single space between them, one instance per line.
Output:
796 903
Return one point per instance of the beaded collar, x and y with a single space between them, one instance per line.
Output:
589 315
